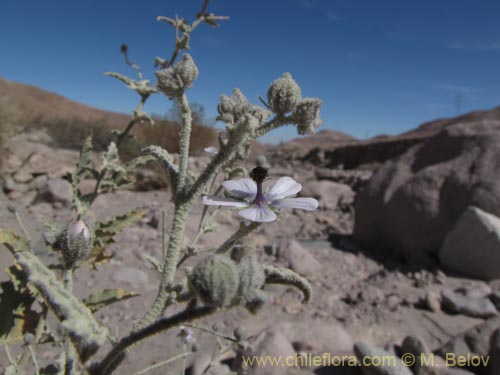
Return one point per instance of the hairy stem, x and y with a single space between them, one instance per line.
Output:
187 120
152 329
238 235
169 265
119 141
276 122
68 279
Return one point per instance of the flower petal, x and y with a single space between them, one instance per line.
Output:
245 188
260 214
308 204
211 150
283 188
213 200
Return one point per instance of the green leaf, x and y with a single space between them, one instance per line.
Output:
104 235
15 308
12 241
111 160
106 297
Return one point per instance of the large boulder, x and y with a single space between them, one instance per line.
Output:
472 247
412 202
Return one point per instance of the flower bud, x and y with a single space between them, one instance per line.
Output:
76 242
215 280
173 80
283 94
232 108
306 115
252 279
240 333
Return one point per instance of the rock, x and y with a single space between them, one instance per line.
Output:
371 354
414 345
495 298
300 260
478 289
413 201
356 179
56 191
475 340
329 194
439 367
318 338
22 176
269 342
39 182
418 348
462 304
147 179
432 301
201 362
460 251
494 353
9 184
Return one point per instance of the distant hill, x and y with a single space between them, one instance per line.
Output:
432 127
31 102
381 148
69 122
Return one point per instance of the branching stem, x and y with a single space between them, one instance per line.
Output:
237 236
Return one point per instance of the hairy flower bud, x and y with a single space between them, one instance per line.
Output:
75 241
283 94
215 280
252 279
172 81
240 333
306 115
232 108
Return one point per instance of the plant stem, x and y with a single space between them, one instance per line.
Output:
169 265
276 122
238 235
119 140
68 279
183 370
187 120
211 331
152 329
33 356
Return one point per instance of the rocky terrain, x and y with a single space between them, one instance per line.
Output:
403 259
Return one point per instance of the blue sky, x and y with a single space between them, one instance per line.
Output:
381 67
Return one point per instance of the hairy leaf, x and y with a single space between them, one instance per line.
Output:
12 241
104 235
140 160
106 297
15 308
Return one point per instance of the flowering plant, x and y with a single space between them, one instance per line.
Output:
216 281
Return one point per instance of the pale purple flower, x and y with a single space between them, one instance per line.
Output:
186 335
257 205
